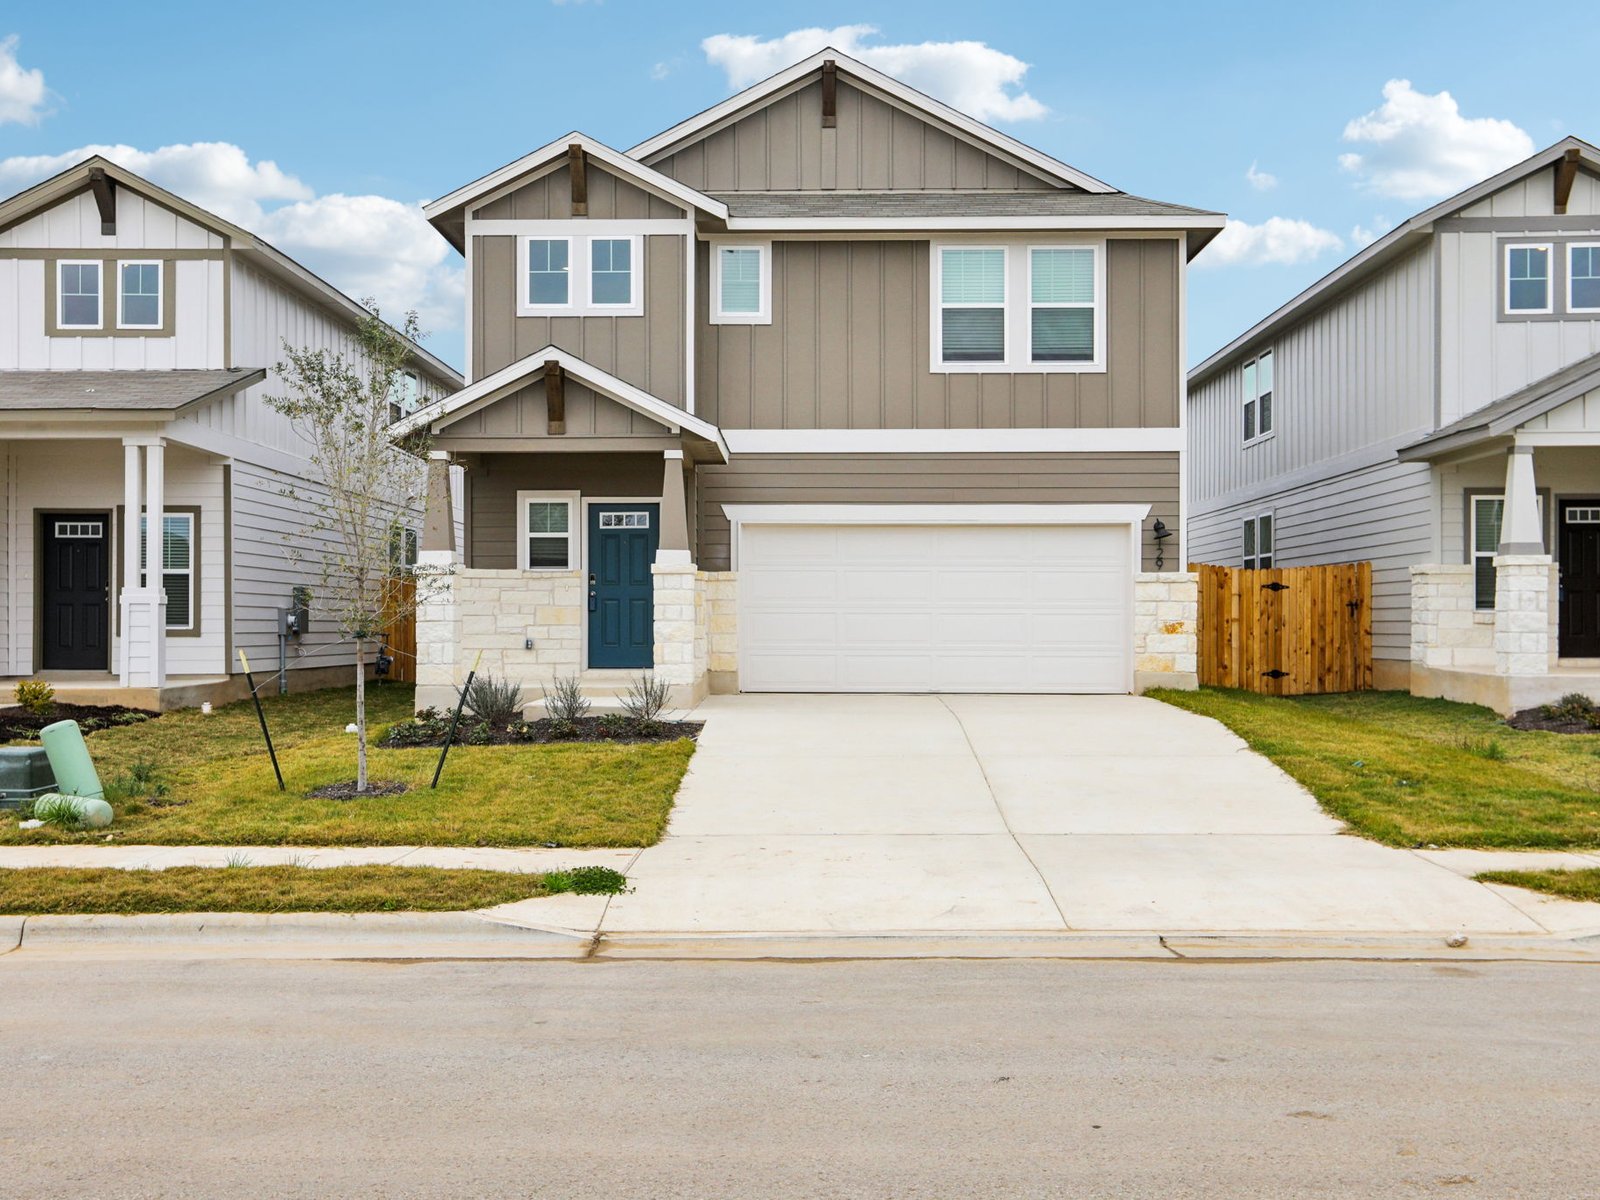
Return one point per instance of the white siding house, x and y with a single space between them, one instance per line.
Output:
138 337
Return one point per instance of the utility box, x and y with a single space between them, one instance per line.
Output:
297 617
24 774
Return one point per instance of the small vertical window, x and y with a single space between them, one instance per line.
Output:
547 534
139 295
1527 279
549 271
177 566
742 285
1061 303
405 395
611 271
1488 513
1258 542
1258 397
78 295
972 300
1583 278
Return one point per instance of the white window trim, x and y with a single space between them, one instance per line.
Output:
1549 281
1567 266
1255 361
580 301
1473 553
763 314
574 540
144 533
1251 562
1018 355
161 289
61 293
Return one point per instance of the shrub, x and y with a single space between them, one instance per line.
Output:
587 881
427 728
564 699
36 696
1574 706
647 698
497 701
560 727
615 724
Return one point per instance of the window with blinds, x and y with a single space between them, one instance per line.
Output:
742 286
1061 303
177 566
972 301
1018 307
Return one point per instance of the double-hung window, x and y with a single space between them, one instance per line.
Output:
78 295
1061 303
177 565
1258 397
405 395
1486 517
580 275
1258 542
1018 308
546 531
611 273
548 273
138 295
741 284
1583 277
972 304
1527 287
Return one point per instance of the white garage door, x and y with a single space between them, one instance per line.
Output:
935 608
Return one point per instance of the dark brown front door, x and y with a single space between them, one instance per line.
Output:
75 591
1580 579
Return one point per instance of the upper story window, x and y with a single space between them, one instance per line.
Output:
1258 397
741 284
78 295
139 295
580 276
1018 308
1583 277
1528 279
405 395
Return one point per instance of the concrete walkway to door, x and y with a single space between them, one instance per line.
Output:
817 814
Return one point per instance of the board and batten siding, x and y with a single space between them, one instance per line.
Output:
848 348
933 479
549 198
876 146
525 413
1481 356
1355 374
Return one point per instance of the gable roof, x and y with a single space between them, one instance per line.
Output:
445 213
515 375
1506 415
670 140
1390 246
158 393
275 262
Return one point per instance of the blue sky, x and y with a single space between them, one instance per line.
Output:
321 125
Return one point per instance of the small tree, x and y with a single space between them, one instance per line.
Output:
365 484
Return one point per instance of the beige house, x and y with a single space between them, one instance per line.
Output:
138 337
827 388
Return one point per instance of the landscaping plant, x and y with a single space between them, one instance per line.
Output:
564 700
646 701
497 702
35 696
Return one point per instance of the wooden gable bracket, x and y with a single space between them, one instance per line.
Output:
555 400
105 198
830 94
1566 175
578 162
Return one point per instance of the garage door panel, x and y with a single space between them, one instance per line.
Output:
886 585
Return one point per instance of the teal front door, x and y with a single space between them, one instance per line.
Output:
622 545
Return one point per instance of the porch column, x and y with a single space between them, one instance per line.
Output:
437 599
1521 530
439 517
144 625
131 494
1524 586
674 546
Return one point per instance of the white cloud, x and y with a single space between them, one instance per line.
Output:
1420 147
1283 241
660 71
363 245
1262 181
971 76
1361 235
22 92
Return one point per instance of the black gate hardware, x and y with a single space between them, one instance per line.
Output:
1353 605
1275 674
1275 586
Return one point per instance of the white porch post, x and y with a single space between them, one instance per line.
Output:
679 599
438 611
1521 529
144 604
130 548
1524 634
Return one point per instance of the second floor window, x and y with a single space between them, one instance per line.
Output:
549 271
611 271
1061 296
1018 308
581 276
1583 277
139 295
741 284
1258 397
78 295
972 302
405 395
1528 279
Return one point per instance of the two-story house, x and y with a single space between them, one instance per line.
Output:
1433 406
138 337
827 388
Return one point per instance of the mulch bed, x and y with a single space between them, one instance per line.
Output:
1535 719
347 790
18 724
544 731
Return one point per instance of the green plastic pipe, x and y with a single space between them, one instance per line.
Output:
69 759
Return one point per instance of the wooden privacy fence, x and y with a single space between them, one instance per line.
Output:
400 632
1286 631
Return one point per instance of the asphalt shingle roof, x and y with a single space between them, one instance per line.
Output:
117 391
889 205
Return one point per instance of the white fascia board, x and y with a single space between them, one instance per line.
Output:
908 96
936 514
1174 225
954 441
616 160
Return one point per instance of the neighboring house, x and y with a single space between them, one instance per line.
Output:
828 388
1433 406
138 336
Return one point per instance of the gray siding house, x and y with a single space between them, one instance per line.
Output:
1432 406
828 388
138 337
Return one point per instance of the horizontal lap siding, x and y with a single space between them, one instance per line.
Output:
1383 515
933 479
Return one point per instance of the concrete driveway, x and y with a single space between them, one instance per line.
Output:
808 814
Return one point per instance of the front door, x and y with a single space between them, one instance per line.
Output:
622 546
1580 579
75 591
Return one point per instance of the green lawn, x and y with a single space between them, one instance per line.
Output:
221 788
1570 885
1413 772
